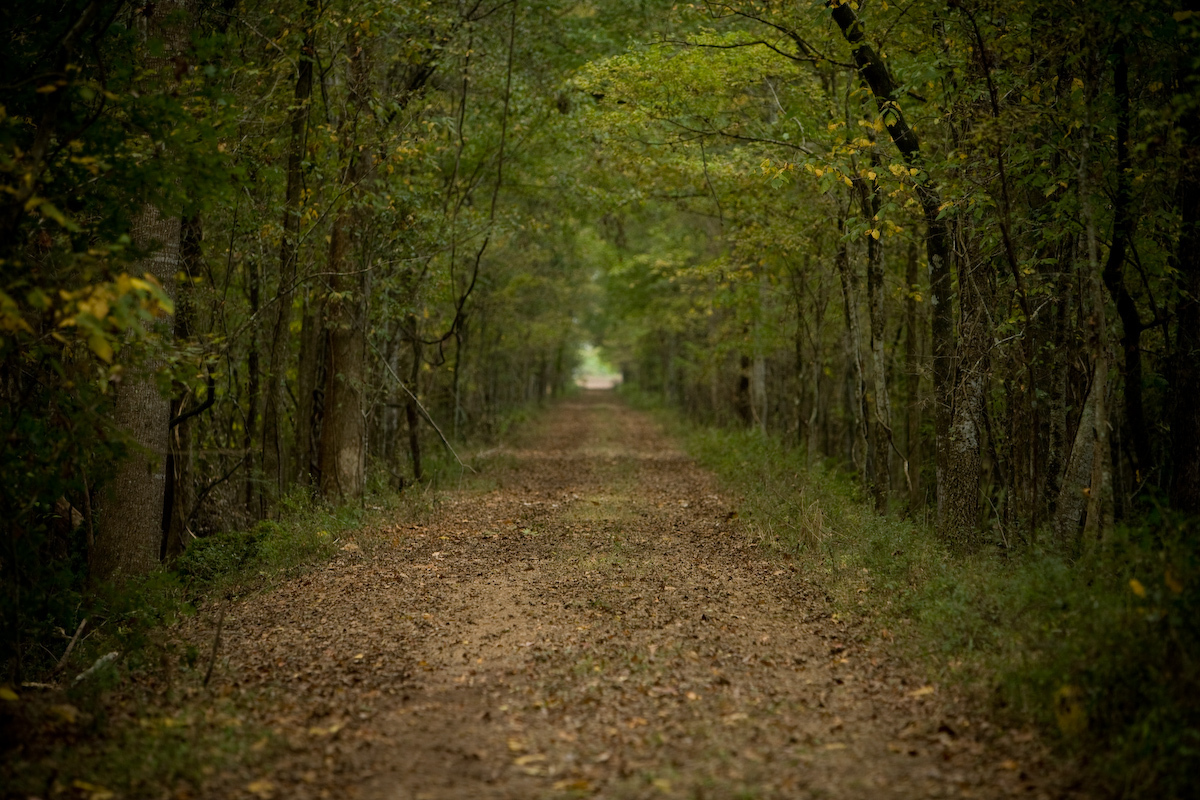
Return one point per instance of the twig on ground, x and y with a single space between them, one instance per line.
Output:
62 662
212 658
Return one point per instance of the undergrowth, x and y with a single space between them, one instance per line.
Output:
1099 649
144 722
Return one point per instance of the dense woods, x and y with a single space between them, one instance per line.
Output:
254 251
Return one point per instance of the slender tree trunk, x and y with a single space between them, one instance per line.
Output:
881 426
1114 275
274 468
180 459
875 74
860 437
1185 419
310 386
1099 520
912 380
253 393
411 414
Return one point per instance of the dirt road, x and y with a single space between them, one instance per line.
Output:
595 624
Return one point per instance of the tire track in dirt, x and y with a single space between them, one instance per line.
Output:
595 625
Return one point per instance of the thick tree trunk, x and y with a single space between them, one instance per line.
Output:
343 445
130 514
342 453
274 467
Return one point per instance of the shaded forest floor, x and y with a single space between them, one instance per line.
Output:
590 621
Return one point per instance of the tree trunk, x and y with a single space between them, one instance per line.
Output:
130 514
342 451
875 74
860 437
1185 419
881 427
180 459
274 467
912 383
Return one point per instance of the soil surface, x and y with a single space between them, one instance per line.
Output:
593 623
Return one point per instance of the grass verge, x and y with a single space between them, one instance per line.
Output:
1099 650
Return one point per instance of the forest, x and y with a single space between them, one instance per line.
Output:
260 257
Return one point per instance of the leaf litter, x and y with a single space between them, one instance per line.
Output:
591 623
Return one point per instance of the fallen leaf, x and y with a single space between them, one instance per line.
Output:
575 785
835 746
94 792
1010 765
516 745
924 690
532 758
67 713
262 788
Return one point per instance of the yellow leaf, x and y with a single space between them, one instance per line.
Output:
94 792
1136 586
101 347
262 788
8 694
532 758
875 233
576 785
1069 710
1180 16
924 690
516 745
67 713
871 174
662 784
1173 582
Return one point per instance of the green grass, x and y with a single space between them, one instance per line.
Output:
1101 651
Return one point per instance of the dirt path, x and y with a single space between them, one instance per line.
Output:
596 625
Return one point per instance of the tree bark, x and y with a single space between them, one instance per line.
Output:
1114 275
881 423
875 74
180 458
130 514
912 383
274 465
1185 420
342 451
